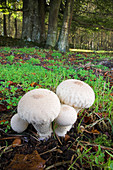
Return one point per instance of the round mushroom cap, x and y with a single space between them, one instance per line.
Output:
39 106
75 93
67 116
18 124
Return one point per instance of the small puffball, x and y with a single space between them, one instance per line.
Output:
18 124
66 118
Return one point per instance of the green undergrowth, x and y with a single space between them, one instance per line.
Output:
24 69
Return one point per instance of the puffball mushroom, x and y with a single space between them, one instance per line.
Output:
39 107
75 93
18 124
66 118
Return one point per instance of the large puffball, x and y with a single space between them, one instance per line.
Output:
75 93
39 107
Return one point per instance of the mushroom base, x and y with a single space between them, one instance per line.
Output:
62 130
44 130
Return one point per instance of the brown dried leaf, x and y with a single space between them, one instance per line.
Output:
11 83
30 161
33 84
2 108
95 131
2 121
87 119
16 142
67 137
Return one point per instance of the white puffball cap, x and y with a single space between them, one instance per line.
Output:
39 106
67 116
75 93
18 124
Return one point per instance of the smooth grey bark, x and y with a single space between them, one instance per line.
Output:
53 20
62 43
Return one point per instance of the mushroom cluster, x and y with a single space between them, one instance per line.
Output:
41 107
76 94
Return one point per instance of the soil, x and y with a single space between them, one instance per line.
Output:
25 151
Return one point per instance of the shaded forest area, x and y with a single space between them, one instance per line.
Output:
52 24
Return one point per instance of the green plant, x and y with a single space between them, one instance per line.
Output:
56 54
33 61
7 126
103 140
10 58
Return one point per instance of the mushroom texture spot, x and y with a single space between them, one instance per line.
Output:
37 96
39 107
75 93
66 118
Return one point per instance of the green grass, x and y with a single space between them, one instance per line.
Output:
47 69
57 70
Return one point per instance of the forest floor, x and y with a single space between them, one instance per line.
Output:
77 150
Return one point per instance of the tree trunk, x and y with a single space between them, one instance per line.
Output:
15 27
42 12
52 28
4 22
64 34
31 26
4 25
9 20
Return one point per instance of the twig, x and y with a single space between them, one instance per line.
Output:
35 138
5 149
59 139
13 137
57 164
93 124
51 150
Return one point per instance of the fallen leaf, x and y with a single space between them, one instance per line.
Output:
33 84
95 148
33 73
87 119
67 137
11 83
105 74
16 142
2 108
2 121
111 94
30 161
95 131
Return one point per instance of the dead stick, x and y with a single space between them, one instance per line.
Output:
57 164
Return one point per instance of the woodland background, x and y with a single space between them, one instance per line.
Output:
60 24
